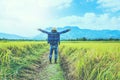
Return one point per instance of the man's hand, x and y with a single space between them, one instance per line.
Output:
69 29
43 31
39 29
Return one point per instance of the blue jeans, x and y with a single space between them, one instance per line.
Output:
55 49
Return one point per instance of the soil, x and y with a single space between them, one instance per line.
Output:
42 70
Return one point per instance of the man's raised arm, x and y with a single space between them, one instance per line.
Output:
64 31
43 31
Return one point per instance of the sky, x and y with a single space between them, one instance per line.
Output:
24 17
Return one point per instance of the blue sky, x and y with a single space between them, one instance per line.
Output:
23 17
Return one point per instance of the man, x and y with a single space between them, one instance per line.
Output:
53 40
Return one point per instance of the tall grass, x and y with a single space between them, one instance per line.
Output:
15 55
91 60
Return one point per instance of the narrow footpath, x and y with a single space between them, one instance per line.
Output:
50 71
43 70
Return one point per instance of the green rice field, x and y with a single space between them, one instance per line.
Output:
78 60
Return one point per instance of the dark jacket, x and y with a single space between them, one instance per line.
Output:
54 37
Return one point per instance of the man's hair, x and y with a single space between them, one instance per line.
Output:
53 30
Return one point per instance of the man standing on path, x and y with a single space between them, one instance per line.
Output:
53 40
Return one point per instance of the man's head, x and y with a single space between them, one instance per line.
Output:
54 29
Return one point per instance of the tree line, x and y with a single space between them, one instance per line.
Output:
99 39
77 39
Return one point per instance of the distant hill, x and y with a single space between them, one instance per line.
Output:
76 32
10 36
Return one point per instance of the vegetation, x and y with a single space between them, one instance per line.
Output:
16 55
91 60
77 39
99 39
80 60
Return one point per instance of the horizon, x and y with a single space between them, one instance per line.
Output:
24 17
59 29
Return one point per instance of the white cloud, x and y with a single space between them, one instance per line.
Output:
109 5
17 16
54 3
91 21
23 17
89 0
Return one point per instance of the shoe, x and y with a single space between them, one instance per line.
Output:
50 60
55 60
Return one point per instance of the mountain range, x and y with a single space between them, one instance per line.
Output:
74 33
11 36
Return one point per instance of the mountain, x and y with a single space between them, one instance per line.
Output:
76 32
10 36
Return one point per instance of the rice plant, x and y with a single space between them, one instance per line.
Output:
91 60
17 54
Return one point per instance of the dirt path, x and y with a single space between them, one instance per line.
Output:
50 71
42 70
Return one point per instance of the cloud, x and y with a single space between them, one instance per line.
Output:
23 17
27 10
17 16
109 5
89 0
55 3
90 21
